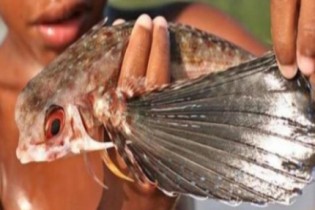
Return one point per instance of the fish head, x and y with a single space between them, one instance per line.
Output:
58 129
52 112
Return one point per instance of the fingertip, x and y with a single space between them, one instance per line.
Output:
160 21
286 61
306 64
118 21
288 71
144 21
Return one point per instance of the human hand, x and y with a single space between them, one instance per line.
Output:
293 33
146 60
145 65
147 55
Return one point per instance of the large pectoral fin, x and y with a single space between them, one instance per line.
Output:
246 134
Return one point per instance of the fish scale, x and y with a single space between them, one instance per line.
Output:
228 127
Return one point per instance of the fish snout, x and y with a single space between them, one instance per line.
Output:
27 154
22 157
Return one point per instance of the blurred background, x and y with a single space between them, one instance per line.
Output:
254 15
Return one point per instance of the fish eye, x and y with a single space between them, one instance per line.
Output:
55 127
54 122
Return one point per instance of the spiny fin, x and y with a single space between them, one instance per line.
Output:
113 168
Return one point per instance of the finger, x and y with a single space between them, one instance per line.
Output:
306 37
118 21
159 61
284 16
137 53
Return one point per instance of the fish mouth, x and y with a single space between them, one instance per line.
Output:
26 156
62 23
40 153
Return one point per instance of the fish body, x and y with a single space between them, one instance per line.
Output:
90 67
244 134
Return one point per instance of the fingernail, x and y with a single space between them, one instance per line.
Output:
160 21
306 64
288 71
118 21
144 21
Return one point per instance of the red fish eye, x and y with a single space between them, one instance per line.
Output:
54 122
